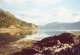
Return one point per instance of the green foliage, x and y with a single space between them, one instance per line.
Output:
7 20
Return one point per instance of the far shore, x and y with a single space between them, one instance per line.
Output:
16 30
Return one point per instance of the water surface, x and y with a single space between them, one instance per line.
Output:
12 42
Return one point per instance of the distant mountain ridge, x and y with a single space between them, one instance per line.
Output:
8 20
62 26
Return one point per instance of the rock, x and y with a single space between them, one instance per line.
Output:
54 40
26 51
63 44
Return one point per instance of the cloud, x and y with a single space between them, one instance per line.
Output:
33 2
64 14
61 11
42 11
57 14
67 15
45 2
13 2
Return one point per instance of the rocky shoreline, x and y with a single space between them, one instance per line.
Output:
63 44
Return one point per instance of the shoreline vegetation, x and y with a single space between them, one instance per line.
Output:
8 20
10 23
12 31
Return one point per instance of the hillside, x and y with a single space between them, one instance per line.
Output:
62 26
8 20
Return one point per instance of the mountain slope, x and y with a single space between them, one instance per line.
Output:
8 20
62 26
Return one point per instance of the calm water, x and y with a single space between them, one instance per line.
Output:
7 37
46 33
9 42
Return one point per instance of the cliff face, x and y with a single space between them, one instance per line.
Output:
9 20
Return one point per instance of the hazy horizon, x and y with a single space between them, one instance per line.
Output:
42 12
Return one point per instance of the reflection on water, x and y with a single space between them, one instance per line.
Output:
42 34
7 39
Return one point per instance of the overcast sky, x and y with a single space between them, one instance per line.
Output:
42 12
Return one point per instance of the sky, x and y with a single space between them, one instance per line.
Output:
42 12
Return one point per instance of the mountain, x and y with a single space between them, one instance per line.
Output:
8 20
62 26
